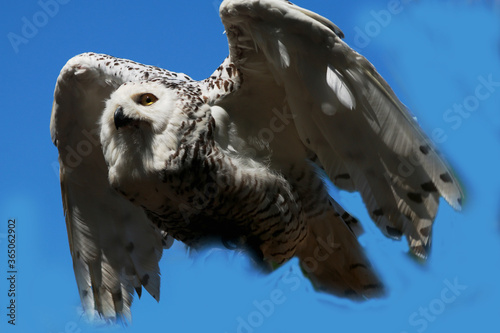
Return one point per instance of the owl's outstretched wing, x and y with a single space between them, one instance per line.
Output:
115 248
364 137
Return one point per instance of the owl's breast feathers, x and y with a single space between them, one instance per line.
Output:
207 193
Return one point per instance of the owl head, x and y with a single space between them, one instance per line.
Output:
139 129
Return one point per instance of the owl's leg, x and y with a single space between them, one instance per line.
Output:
334 261
331 255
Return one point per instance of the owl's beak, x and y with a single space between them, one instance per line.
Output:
121 119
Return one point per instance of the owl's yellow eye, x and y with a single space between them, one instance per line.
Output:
147 99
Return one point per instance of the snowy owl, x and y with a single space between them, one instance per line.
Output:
148 156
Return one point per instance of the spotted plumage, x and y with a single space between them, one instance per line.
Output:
148 156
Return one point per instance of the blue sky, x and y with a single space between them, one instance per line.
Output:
438 56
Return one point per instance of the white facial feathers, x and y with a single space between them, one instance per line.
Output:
147 133
128 97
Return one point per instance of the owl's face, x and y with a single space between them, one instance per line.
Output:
138 129
141 105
